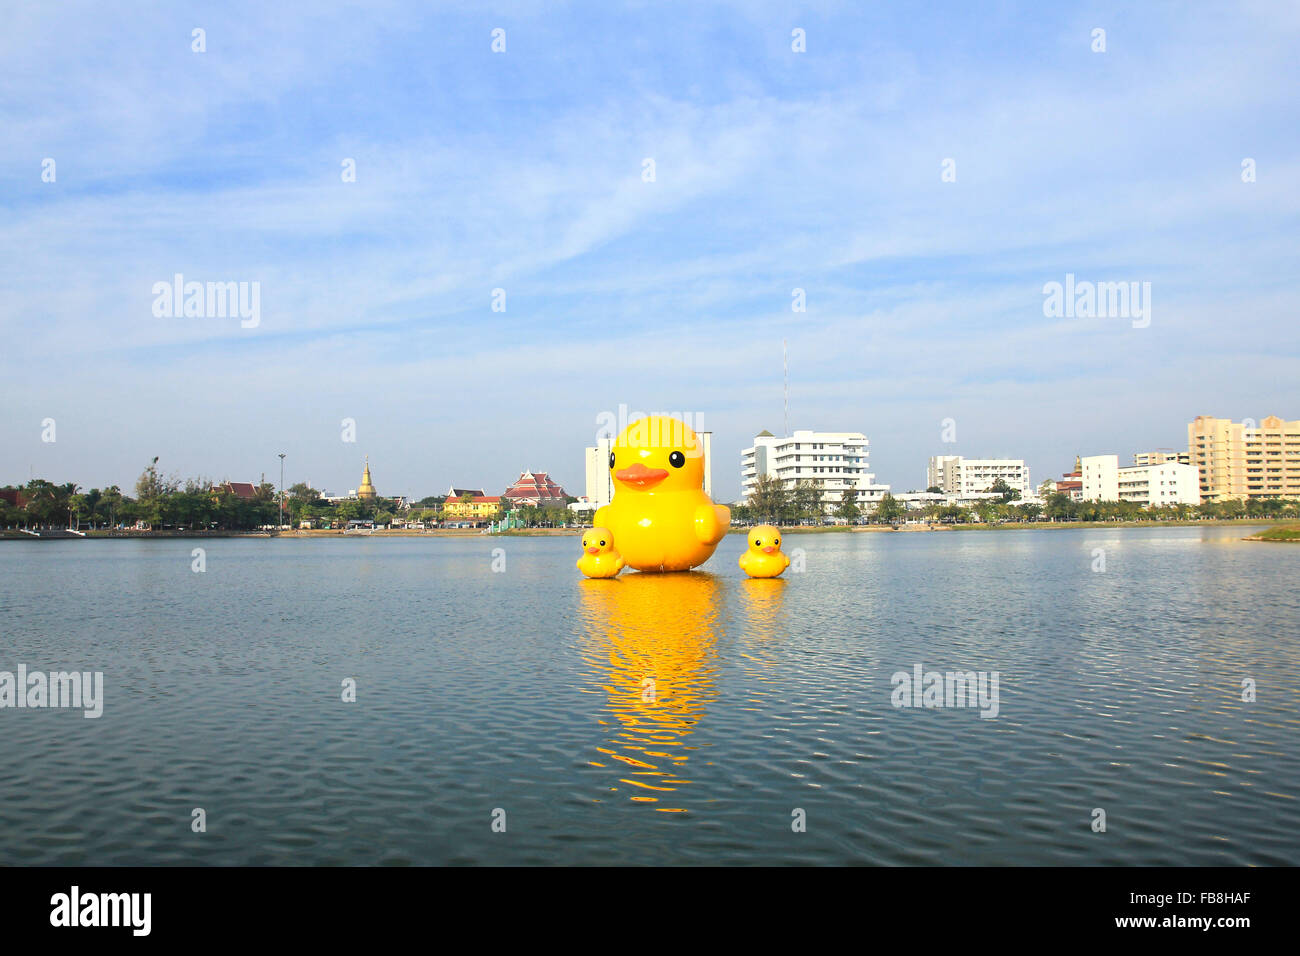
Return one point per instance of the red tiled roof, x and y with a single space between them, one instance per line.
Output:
535 487
240 489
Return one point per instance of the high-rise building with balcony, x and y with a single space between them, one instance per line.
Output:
838 460
1245 460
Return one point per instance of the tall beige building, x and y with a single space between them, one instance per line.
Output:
1241 460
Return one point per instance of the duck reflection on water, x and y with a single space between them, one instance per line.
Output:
762 601
652 640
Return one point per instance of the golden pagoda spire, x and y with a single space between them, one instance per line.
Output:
367 489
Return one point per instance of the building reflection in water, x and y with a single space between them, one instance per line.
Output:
652 641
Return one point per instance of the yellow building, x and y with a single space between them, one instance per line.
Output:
1242 460
367 490
471 508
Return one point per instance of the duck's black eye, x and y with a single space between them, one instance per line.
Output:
776 541
758 542
611 459
602 544
677 459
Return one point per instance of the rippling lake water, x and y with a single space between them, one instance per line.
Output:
657 718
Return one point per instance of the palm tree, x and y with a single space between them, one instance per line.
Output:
76 505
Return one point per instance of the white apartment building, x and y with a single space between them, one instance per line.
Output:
600 483
837 459
1159 457
968 477
1169 482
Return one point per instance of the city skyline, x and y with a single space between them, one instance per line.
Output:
577 487
781 180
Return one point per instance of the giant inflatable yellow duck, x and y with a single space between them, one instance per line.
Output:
599 558
661 518
763 557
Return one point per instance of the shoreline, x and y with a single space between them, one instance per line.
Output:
1032 525
1285 533
573 532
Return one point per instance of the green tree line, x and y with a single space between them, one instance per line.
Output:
775 502
165 502
159 501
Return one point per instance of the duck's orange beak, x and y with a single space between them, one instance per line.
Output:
593 550
640 476
769 549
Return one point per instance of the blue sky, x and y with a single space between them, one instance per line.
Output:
522 170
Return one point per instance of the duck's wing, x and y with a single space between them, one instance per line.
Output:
712 522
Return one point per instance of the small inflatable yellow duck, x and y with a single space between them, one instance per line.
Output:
599 558
763 558
660 515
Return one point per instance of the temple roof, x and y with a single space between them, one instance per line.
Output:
534 486
240 489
